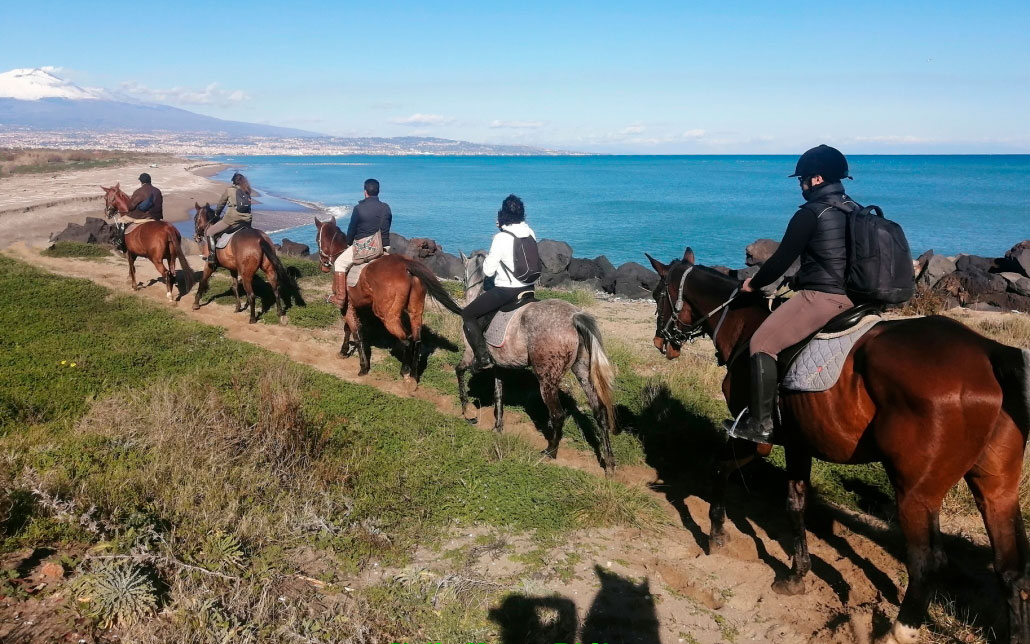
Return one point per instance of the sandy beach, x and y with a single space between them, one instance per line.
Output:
34 206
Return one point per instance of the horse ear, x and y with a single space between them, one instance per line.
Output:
659 267
464 258
333 220
196 206
318 224
688 255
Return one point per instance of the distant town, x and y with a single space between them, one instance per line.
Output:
208 143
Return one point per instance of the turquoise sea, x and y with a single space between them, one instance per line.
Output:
622 206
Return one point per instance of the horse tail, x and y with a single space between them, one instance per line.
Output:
602 374
433 285
280 270
175 249
1012 369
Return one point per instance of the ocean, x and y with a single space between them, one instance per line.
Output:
622 206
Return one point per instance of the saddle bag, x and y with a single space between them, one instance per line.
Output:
369 248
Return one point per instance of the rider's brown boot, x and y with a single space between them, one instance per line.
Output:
339 296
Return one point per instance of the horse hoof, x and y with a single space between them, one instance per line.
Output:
363 372
789 586
252 321
196 307
472 421
284 320
551 454
609 471
717 543
900 634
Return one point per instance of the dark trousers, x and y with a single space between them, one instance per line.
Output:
488 302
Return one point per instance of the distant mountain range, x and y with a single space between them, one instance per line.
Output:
39 108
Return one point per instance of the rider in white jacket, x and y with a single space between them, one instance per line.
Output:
499 264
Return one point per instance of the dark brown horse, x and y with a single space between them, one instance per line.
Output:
158 241
247 251
394 288
929 398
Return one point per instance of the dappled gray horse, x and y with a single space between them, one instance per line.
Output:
549 337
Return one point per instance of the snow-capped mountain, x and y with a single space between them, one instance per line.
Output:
37 99
35 84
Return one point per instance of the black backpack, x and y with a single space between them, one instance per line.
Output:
526 258
242 201
879 268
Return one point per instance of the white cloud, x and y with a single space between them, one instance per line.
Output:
212 94
516 125
419 119
52 69
632 129
694 134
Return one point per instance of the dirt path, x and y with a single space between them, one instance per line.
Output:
726 597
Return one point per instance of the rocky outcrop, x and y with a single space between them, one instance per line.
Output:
293 249
759 251
75 233
634 281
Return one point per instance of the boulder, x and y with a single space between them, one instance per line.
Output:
607 273
744 273
554 255
920 262
635 281
554 279
977 282
75 233
986 264
1009 301
1017 283
984 306
398 244
104 232
584 269
294 249
422 248
725 270
937 266
759 251
445 265
1017 259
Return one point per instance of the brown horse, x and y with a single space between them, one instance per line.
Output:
394 288
158 241
247 251
550 337
927 397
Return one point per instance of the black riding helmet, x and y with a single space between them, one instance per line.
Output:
825 161
144 178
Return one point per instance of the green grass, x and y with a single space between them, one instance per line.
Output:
209 452
580 297
76 249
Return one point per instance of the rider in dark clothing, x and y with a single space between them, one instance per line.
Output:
816 235
370 215
147 202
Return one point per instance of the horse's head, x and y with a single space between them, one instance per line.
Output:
330 241
473 277
202 220
673 313
115 201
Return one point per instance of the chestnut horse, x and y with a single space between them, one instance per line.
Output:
247 251
927 397
394 288
158 241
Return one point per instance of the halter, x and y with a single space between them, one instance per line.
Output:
326 259
674 331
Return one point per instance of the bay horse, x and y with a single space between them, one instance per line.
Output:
394 288
929 398
550 337
247 251
157 240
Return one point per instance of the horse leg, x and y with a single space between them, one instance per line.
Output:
498 404
461 370
346 349
202 287
916 515
799 471
272 277
235 276
581 369
395 326
994 482
248 286
359 338
132 271
549 388
735 455
164 274
415 309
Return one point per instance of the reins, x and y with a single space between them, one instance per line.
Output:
326 259
678 334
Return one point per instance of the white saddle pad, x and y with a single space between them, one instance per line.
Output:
354 273
223 239
818 366
498 328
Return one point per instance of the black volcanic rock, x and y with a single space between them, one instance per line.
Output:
294 249
633 280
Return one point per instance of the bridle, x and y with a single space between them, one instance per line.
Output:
675 332
325 258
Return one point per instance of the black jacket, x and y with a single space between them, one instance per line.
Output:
817 234
369 216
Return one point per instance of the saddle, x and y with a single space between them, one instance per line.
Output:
223 239
815 363
354 273
497 323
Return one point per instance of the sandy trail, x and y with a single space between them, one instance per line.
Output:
706 596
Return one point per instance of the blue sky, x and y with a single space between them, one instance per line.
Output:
684 77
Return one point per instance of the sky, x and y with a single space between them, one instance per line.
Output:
617 77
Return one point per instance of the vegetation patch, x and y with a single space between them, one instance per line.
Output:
76 249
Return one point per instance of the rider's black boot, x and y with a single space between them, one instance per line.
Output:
119 238
212 254
757 425
474 334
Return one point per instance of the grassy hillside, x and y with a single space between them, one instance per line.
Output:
196 488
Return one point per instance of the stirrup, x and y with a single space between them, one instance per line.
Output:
746 428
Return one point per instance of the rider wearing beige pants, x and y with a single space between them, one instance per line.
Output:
796 319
